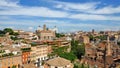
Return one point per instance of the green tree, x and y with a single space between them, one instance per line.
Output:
74 44
33 44
62 52
2 33
13 66
15 34
58 35
14 38
25 49
59 50
101 32
82 66
78 50
76 66
8 30
102 37
118 43
91 38
69 56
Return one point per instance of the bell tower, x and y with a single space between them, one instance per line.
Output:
44 27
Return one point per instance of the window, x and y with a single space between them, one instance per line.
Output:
44 37
12 62
5 64
8 63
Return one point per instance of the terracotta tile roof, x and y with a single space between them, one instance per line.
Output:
31 65
109 59
88 46
102 45
58 62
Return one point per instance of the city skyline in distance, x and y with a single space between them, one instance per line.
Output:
67 15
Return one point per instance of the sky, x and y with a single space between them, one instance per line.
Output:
67 15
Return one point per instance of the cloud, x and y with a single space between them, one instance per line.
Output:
34 11
106 10
90 7
94 17
4 18
16 9
18 22
30 28
75 6
60 17
50 21
9 3
63 26
62 23
10 7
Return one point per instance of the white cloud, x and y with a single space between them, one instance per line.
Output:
94 17
34 11
63 23
87 7
12 27
59 6
63 26
47 12
9 3
50 21
4 18
18 22
106 10
11 7
30 28
75 6
88 17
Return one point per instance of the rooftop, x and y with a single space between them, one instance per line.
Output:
31 65
58 61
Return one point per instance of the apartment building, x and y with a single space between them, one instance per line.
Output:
26 57
10 61
39 53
